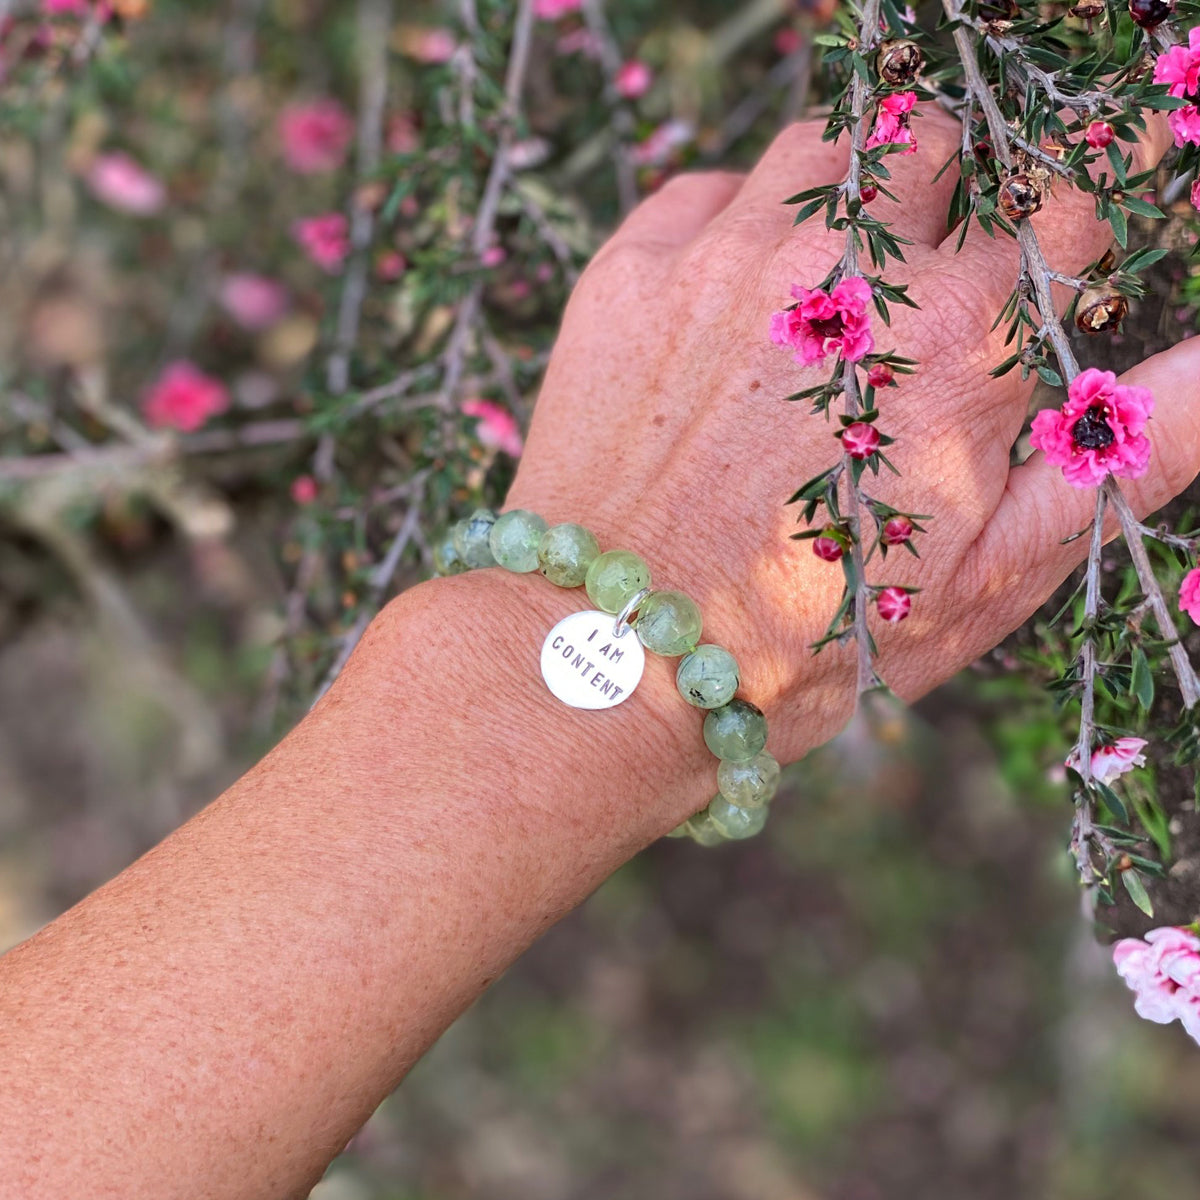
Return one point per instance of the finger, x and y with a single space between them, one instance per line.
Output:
679 211
922 202
794 162
1068 232
1021 551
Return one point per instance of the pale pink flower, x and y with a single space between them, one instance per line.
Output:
391 264
551 10
254 301
894 604
633 79
497 427
1164 972
325 239
121 183
432 45
891 122
402 134
822 323
1179 69
1189 595
493 256
303 489
661 143
1100 429
315 136
1112 761
184 398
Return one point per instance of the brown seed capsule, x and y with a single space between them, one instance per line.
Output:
1019 197
1100 308
899 62
1149 14
1088 10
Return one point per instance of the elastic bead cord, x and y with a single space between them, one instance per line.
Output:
668 623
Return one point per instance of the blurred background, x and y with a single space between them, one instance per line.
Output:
271 318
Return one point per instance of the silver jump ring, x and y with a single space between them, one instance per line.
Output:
621 625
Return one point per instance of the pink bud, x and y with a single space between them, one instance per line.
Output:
787 40
894 604
896 531
1099 134
860 440
493 256
880 375
827 547
633 79
304 489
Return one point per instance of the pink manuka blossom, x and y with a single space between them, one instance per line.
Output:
822 323
254 301
303 489
325 239
315 136
1195 194
1100 429
1179 69
551 10
184 398
633 79
391 264
1189 595
1111 761
497 427
891 122
1164 972
117 180
431 45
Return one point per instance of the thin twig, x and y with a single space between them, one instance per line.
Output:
622 119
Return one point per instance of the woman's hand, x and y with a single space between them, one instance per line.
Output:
661 424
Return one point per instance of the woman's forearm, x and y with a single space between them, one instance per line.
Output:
221 1018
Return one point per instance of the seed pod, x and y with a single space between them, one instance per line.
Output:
1088 10
1019 197
1100 308
1149 14
899 62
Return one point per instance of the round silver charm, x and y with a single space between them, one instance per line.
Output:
586 666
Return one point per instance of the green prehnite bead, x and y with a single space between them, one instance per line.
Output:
733 821
514 540
708 677
702 829
565 553
471 538
445 557
680 831
736 732
669 623
614 578
749 784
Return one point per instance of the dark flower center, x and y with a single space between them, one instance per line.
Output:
1092 431
829 327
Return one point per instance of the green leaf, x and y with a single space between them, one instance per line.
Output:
1141 682
1137 891
1120 226
1143 208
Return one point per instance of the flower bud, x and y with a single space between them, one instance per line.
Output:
1088 10
860 440
880 375
867 191
1019 197
827 547
894 604
896 531
1099 134
899 62
1149 14
1100 308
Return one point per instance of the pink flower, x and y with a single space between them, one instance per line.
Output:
303 489
1189 595
254 301
315 136
325 239
860 440
633 79
1179 69
1112 761
402 134
184 398
1195 197
787 41
891 122
121 183
497 427
1099 134
655 149
493 256
894 604
1164 972
551 10
431 45
822 323
390 265
1100 429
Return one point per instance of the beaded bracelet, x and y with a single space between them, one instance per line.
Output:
587 664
